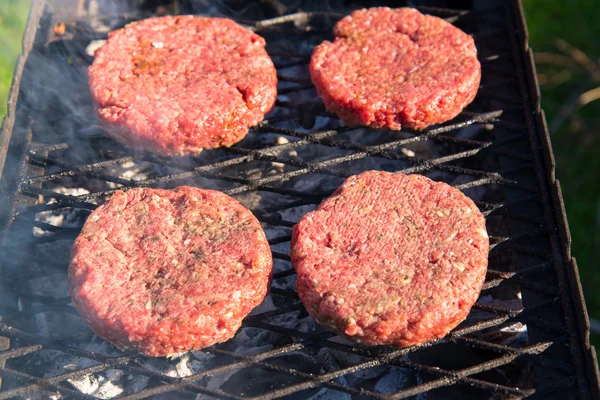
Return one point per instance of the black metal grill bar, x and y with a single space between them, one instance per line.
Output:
312 138
497 348
479 326
174 386
449 377
486 324
489 284
107 363
540 288
283 274
462 376
69 233
46 148
525 271
88 169
305 200
324 378
18 352
32 210
229 162
50 385
258 184
189 381
294 307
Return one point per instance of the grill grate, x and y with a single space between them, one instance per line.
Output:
526 336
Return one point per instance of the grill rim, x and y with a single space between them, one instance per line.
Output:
8 128
554 208
14 136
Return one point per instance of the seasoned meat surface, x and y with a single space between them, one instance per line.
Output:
166 271
396 68
391 259
177 85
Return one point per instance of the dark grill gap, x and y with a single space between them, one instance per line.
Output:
497 151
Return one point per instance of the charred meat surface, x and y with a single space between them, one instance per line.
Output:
166 271
177 85
396 68
391 259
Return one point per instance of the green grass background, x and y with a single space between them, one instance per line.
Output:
13 15
576 143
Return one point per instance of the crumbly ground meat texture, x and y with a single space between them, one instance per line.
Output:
167 271
396 67
177 85
391 259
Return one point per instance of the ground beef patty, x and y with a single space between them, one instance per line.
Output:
177 85
391 259
166 271
393 68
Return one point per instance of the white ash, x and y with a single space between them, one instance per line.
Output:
57 362
286 283
78 191
407 152
279 167
275 231
95 344
103 386
292 320
58 325
394 380
250 200
132 170
50 286
514 334
265 306
94 45
251 341
247 341
62 217
178 367
58 251
294 214
512 304
281 247
44 396
282 140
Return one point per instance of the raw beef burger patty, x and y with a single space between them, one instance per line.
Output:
394 68
166 271
177 85
391 259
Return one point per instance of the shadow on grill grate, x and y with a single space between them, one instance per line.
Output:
514 344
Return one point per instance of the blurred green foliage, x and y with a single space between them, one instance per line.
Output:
13 15
576 141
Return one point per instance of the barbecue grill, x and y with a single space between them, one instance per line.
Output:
527 336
